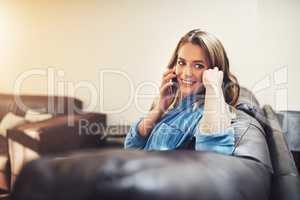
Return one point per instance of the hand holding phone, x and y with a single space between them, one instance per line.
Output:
168 88
174 85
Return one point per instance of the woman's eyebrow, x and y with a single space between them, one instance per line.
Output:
193 60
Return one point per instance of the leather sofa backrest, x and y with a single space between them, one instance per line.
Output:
246 96
249 104
56 105
135 175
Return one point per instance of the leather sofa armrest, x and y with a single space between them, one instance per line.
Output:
290 123
285 180
61 133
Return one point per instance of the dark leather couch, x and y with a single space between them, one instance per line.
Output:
290 123
262 168
59 134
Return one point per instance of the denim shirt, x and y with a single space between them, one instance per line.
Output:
176 127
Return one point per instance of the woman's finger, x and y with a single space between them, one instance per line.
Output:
168 71
221 75
166 86
204 78
168 78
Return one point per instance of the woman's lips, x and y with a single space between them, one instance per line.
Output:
187 82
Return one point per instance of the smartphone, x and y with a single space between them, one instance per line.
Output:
174 86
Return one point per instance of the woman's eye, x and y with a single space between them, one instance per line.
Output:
199 66
180 62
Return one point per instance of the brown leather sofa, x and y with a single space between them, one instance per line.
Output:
60 134
177 175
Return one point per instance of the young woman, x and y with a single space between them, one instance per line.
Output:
197 93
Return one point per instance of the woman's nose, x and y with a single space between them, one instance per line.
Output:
188 70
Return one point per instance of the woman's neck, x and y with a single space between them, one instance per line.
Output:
200 95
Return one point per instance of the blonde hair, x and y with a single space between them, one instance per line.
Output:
217 56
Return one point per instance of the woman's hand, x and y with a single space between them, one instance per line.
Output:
165 96
213 79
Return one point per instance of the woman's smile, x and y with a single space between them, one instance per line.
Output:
187 82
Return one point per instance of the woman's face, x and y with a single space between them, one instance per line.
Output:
190 65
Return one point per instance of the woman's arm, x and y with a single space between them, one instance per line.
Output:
140 129
136 137
214 131
147 124
164 101
216 116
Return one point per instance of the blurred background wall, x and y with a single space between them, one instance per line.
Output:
112 53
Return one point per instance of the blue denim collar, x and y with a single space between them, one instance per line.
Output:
189 100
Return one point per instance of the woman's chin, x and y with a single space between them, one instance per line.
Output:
186 91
